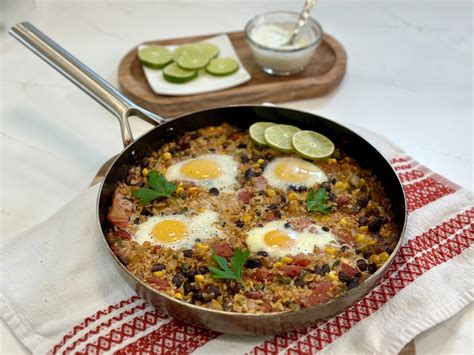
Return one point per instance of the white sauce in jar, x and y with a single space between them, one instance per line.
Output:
276 36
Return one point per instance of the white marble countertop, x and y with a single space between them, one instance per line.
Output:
409 78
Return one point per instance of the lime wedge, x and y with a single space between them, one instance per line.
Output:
155 57
312 145
192 60
280 136
222 66
209 50
256 132
174 74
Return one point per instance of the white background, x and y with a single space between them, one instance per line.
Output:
409 77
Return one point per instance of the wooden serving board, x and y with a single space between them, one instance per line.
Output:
323 74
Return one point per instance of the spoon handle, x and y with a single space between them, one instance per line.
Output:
302 19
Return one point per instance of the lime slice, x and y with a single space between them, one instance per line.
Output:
178 52
155 57
208 49
174 74
256 132
312 145
222 66
192 60
280 136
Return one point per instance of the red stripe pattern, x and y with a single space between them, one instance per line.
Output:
436 246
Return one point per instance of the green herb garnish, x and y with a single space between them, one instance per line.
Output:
317 201
160 187
232 272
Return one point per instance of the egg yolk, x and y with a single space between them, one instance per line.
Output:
169 231
201 169
292 171
277 239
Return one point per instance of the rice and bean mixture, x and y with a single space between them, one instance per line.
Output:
359 218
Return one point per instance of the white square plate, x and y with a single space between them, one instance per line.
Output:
204 82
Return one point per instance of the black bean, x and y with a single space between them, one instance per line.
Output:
326 229
273 206
242 146
195 135
293 187
201 270
361 264
389 250
363 201
214 191
178 279
362 220
198 296
344 277
333 181
353 283
325 269
249 173
331 196
136 221
184 267
253 264
191 274
258 213
318 271
287 225
372 268
214 290
358 251
239 223
146 212
188 253
140 184
344 248
326 185
282 198
157 267
262 253
367 254
244 158
235 287
302 188
187 287
375 223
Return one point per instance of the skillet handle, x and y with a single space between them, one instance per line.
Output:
83 77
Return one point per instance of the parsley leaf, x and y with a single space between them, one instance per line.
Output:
316 201
233 272
160 187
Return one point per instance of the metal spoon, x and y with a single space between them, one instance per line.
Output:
301 21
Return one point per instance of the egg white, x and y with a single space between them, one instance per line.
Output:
311 173
226 181
303 242
199 228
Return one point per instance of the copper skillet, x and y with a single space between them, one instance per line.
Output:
242 116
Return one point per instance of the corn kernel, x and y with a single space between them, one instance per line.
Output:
341 185
256 166
332 161
199 278
343 221
278 264
159 273
179 190
270 192
192 189
371 241
383 256
286 260
164 170
201 209
333 276
359 238
202 246
364 229
362 181
166 156
145 172
246 218
375 259
178 295
292 196
385 233
260 161
331 250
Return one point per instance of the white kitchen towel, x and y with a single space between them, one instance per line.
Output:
61 293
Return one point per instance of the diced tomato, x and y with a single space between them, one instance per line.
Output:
159 283
266 306
260 182
349 270
120 212
122 234
300 261
244 196
291 270
223 249
262 275
320 294
301 224
271 216
342 200
345 237
256 295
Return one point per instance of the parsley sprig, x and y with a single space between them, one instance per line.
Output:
317 201
159 187
232 272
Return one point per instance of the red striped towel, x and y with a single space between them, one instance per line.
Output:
61 293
